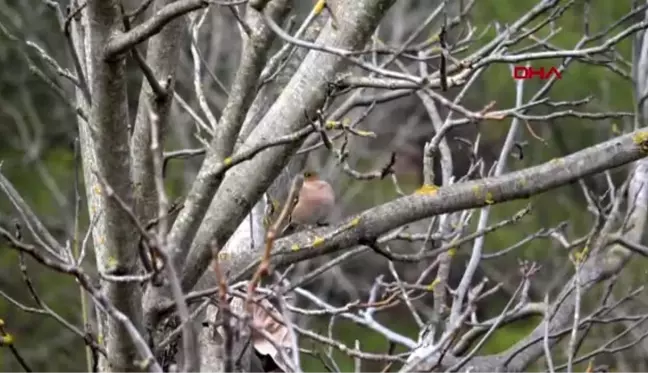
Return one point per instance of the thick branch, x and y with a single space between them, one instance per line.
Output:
124 41
113 234
240 98
369 225
162 58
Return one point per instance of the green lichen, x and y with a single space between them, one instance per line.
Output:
641 139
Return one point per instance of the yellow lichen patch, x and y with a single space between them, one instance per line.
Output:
330 124
319 6
228 161
224 256
317 241
580 256
641 139
7 339
477 191
427 189
557 161
97 190
2 323
354 222
452 252
433 284
576 257
111 262
489 198
295 247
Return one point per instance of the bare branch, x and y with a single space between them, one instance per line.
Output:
121 43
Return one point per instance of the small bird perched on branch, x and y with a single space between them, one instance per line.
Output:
315 202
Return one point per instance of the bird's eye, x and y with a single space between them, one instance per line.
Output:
308 174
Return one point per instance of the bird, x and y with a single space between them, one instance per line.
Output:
315 202
601 369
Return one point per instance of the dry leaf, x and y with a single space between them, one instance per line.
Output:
262 320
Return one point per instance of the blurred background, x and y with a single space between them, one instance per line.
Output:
37 132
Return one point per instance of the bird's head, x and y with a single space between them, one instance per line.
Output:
310 176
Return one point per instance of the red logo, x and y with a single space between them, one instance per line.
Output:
528 72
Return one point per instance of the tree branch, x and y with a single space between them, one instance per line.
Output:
222 145
121 43
113 234
367 226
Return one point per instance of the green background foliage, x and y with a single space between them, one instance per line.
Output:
29 109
